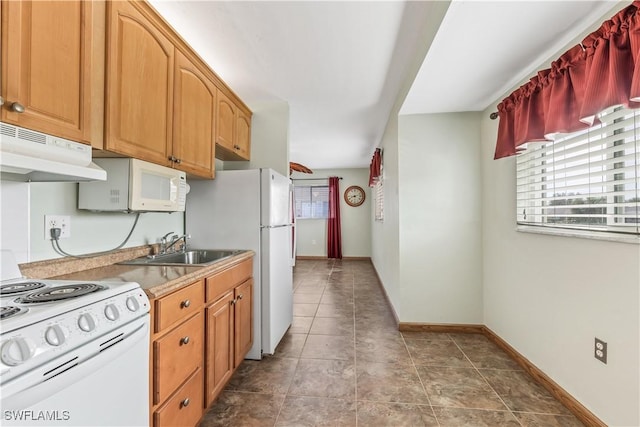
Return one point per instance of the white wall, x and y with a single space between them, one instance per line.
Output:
90 232
385 235
549 297
14 219
440 218
269 138
24 206
93 232
355 221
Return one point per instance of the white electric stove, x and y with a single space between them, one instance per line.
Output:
72 351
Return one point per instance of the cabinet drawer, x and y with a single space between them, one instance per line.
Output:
185 406
179 305
176 356
228 279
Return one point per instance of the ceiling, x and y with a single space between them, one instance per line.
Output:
341 64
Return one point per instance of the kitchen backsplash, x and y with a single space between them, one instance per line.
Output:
25 205
14 218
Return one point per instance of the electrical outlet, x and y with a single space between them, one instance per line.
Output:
63 222
600 351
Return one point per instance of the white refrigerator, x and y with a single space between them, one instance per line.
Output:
250 209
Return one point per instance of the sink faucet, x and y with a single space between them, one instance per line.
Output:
175 239
163 243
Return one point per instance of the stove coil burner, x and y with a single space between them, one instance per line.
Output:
10 311
21 287
58 293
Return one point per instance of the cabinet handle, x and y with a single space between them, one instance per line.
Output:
16 107
184 341
185 403
178 161
234 301
185 304
237 147
172 158
240 296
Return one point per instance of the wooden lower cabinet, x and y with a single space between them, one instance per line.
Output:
178 306
229 336
184 408
201 334
229 332
219 349
176 356
243 309
177 365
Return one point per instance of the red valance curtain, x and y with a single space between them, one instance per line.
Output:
602 72
375 167
334 233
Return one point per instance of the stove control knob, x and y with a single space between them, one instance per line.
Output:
86 322
16 351
133 304
111 312
54 335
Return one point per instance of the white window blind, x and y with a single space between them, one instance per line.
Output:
311 201
584 180
378 200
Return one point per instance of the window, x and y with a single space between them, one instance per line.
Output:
311 201
584 180
378 200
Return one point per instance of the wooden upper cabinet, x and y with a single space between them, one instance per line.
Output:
139 94
193 119
243 135
226 121
52 57
233 130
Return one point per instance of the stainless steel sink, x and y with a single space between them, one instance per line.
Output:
196 257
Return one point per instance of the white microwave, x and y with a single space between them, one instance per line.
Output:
134 186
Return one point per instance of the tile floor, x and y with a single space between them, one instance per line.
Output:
344 363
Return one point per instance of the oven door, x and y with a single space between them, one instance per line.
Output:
102 383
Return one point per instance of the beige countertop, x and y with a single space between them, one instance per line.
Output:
154 279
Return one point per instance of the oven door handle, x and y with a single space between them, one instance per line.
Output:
30 388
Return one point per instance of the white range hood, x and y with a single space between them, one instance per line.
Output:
31 156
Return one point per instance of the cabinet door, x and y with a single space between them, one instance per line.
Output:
243 136
139 93
47 52
243 320
225 121
193 119
219 346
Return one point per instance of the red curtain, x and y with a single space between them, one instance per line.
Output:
601 72
334 234
375 167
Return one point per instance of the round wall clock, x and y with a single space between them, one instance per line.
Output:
354 195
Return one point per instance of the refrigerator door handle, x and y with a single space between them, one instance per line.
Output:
276 226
